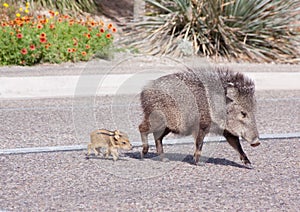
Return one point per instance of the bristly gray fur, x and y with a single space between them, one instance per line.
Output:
228 78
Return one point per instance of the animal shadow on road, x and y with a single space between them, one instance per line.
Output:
187 159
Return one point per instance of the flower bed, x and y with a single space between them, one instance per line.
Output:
28 39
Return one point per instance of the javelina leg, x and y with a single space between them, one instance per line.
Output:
234 141
198 145
115 154
144 128
89 151
158 136
107 153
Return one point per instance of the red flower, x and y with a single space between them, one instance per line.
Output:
83 54
108 36
32 47
114 30
102 30
43 40
109 26
69 50
19 35
24 51
87 46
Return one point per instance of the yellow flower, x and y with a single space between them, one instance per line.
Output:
56 13
27 4
5 5
21 9
18 15
26 11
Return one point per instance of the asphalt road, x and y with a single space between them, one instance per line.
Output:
66 181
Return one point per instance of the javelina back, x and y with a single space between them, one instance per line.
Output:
111 140
195 101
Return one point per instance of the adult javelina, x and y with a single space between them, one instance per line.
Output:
188 103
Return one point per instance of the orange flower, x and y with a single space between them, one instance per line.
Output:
32 47
102 30
88 35
52 26
47 45
83 54
43 35
43 40
74 50
87 46
19 35
52 13
59 20
39 26
108 36
24 51
114 30
93 23
109 26
98 34
69 50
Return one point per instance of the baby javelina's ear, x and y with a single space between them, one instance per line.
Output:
117 134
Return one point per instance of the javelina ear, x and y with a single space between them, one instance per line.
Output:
117 134
231 94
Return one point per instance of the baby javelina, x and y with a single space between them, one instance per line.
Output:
111 140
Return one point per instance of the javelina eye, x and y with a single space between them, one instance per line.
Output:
244 115
123 142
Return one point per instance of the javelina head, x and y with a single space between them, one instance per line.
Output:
241 107
121 140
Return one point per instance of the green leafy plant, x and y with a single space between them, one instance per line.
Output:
53 38
261 31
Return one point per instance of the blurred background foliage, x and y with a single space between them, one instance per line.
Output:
252 30
246 30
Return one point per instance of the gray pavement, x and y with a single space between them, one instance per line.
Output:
66 181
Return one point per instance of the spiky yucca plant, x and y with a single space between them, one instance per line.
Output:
256 30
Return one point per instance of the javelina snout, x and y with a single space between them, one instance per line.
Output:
183 103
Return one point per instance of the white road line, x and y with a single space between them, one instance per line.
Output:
135 144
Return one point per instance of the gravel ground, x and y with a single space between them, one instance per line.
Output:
66 181
69 182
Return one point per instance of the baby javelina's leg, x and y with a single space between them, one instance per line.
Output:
115 154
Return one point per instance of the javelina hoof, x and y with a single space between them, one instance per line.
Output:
249 166
87 157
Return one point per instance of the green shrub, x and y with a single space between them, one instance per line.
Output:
261 31
55 38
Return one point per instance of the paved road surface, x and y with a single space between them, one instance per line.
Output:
66 181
